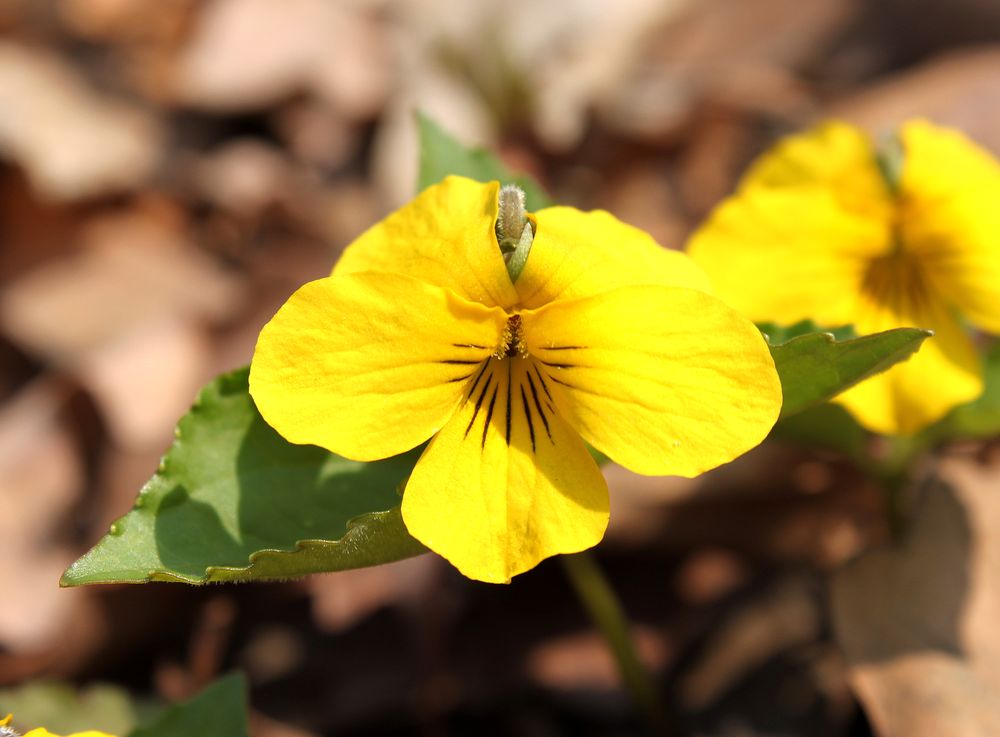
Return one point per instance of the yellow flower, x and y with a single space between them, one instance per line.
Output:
821 228
5 729
421 333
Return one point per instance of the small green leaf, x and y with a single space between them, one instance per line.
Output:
816 366
777 334
62 709
234 501
441 155
218 711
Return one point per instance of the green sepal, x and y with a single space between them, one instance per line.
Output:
234 501
816 366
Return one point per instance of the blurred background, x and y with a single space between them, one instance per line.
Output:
171 171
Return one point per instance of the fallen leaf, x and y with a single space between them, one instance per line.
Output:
918 621
108 147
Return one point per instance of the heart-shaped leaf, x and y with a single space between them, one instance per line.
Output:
234 501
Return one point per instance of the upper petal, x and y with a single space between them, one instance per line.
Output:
444 237
662 380
369 365
835 156
787 254
950 218
507 482
577 254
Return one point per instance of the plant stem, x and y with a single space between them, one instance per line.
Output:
605 610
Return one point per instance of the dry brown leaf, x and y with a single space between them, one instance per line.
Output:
958 89
72 141
918 622
248 54
127 314
41 477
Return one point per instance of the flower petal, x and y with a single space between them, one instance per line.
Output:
945 373
662 380
45 733
835 156
950 219
507 482
578 254
788 254
369 365
444 237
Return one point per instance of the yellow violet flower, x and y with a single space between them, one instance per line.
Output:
821 228
5 729
421 334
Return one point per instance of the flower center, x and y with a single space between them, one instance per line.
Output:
512 343
896 279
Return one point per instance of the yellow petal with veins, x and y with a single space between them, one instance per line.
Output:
507 482
945 372
369 365
662 380
444 237
577 254
950 218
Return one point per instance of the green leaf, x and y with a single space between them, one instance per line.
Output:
62 709
218 711
777 334
817 366
234 501
441 155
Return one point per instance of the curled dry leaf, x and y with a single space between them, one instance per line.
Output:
73 142
918 622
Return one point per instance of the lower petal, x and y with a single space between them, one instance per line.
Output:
506 483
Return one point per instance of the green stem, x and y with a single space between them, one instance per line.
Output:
605 610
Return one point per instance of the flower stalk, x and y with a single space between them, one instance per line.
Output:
605 610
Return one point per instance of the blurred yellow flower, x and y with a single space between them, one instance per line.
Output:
5 729
824 227
421 333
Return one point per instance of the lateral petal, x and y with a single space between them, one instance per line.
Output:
578 254
788 254
943 374
662 380
444 237
507 482
950 219
369 365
